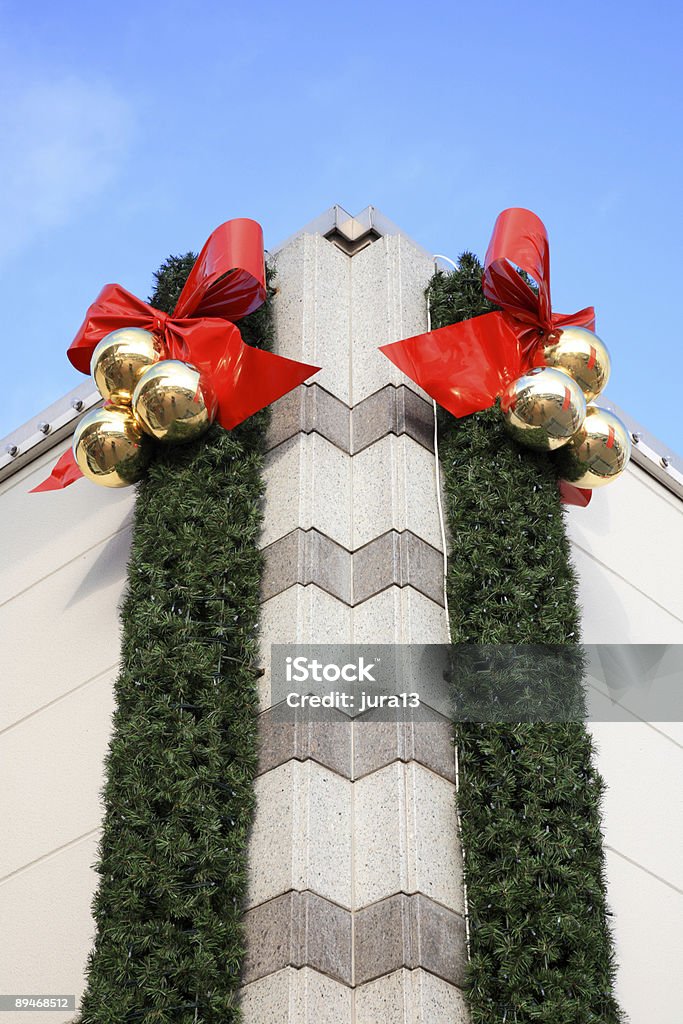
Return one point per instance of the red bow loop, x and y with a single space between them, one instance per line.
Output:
519 240
228 279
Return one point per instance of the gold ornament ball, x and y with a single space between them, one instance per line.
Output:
120 359
598 453
110 448
582 355
543 408
170 403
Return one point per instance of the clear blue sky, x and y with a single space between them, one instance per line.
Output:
129 130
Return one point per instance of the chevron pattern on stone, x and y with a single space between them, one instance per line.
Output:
299 929
359 748
416 932
310 409
391 410
394 559
299 737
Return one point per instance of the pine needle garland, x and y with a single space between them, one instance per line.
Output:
529 796
178 794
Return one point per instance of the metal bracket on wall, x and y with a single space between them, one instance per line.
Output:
47 429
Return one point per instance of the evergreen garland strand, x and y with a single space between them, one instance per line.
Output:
178 793
529 796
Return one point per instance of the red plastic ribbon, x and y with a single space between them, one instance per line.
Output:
467 365
226 283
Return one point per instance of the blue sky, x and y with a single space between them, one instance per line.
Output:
129 131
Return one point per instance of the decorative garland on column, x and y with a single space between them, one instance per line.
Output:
185 406
179 774
529 796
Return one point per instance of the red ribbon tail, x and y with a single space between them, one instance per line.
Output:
571 495
464 366
583 318
258 378
64 473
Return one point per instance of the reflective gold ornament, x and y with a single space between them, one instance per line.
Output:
543 408
119 361
582 355
110 447
170 403
598 453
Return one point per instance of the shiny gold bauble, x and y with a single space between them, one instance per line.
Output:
582 355
170 402
110 447
119 361
598 453
543 409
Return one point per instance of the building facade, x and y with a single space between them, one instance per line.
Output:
356 908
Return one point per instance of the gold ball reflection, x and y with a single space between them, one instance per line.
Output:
581 354
120 359
543 408
598 453
170 402
110 448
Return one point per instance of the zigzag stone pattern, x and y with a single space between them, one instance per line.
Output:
308 557
356 909
391 410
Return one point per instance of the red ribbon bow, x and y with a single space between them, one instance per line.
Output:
467 365
226 283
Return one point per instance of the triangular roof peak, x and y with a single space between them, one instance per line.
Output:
350 232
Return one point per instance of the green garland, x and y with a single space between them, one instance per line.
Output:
179 793
529 796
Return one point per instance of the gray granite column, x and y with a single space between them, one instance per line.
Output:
356 906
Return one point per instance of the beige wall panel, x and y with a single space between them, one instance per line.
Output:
399 615
644 771
410 997
634 527
302 834
649 943
615 611
295 996
628 552
305 615
63 631
308 485
405 836
47 928
39 533
52 774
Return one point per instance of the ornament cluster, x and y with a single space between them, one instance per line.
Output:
548 408
146 397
